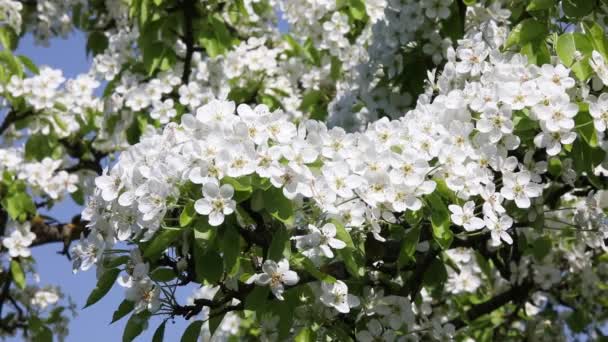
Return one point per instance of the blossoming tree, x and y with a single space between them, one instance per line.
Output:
314 169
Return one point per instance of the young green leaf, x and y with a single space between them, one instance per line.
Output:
17 274
135 326
192 332
526 31
123 309
440 221
161 242
159 334
232 249
104 284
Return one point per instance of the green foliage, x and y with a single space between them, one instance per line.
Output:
17 273
208 263
541 248
526 31
104 284
568 46
39 146
163 274
577 8
231 250
40 331
279 207
537 5
161 242
408 246
135 326
352 257
17 203
280 247
440 221
159 334
192 332
8 38
123 309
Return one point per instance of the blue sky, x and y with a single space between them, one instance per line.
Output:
91 324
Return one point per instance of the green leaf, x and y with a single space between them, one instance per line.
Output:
243 218
135 326
29 64
336 66
353 260
78 196
136 129
19 205
356 9
307 264
408 247
214 35
41 333
585 128
278 206
214 323
597 37
187 215
568 46
163 274
159 334
484 265
578 320
40 146
110 262
123 309
537 5
13 64
541 248
231 250
8 37
104 284
537 52
526 31
306 335
97 42
161 242
577 8
257 298
314 102
585 158
192 332
242 187
436 275
208 265
280 245
17 274
440 221
555 167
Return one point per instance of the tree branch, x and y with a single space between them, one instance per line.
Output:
189 10
65 233
516 293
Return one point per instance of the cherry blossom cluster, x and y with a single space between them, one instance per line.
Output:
44 177
10 14
59 105
460 135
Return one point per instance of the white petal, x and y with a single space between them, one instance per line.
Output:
202 206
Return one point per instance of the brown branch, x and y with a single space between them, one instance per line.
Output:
189 10
517 293
5 289
414 283
65 233
11 118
